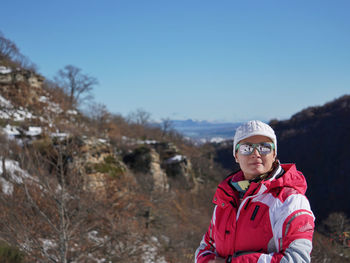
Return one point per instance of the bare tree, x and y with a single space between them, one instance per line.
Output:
99 114
337 226
11 56
78 86
166 126
46 214
8 49
54 215
140 117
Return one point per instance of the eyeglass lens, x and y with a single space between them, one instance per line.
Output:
248 148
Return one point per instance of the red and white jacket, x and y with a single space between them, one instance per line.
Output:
273 221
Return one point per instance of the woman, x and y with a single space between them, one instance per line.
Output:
261 213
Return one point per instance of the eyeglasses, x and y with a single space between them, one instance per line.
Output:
247 148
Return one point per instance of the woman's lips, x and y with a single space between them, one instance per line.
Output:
255 163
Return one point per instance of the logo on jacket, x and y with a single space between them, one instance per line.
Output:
306 228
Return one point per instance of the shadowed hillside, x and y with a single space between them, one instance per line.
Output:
317 139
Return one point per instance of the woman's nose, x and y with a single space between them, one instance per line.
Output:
256 152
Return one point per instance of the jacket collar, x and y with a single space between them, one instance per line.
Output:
283 175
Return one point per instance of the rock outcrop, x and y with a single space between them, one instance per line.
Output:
97 161
163 163
12 76
22 87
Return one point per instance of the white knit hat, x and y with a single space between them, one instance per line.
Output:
252 128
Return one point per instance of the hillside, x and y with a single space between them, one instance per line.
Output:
133 181
316 139
149 179
98 187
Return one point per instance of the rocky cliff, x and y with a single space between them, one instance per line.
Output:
24 102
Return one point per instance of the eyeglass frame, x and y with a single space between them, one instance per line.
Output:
255 145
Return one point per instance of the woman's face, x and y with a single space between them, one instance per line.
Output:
255 164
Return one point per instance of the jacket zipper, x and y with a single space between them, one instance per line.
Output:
246 201
256 209
236 221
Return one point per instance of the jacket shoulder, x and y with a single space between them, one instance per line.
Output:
225 192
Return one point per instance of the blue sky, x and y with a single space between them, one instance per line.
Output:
222 60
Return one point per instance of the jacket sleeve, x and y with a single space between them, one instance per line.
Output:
206 250
293 226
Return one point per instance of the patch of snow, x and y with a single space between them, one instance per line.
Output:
217 139
13 168
154 239
21 115
8 112
59 135
102 140
147 142
72 112
150 254
34 131
5 103
54 107
42 119
4 115
5 70
15 173
44 99
47 245
11 131
93 236
7 187
175 159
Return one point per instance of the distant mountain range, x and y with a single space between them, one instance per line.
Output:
205 130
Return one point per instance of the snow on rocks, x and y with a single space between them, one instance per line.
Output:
34 131
22 114
7 111
7 187
5 103
59 135
150 254
15 175
149 142
51 106
135 141
175 159
54 107
48 245
11 131
44 99
5 70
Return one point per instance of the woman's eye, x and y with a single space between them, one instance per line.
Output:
246 148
